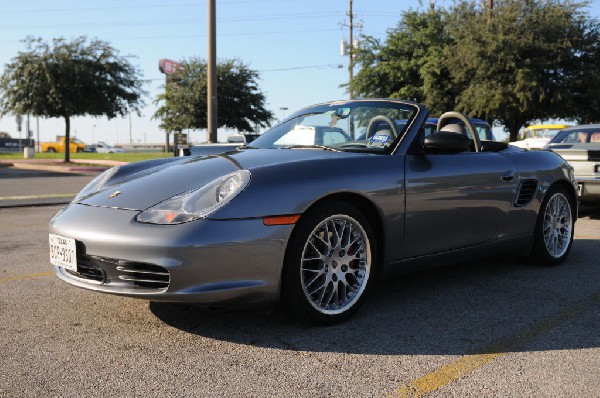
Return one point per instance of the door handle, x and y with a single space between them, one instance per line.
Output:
507 176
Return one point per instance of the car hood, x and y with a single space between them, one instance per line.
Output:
146 187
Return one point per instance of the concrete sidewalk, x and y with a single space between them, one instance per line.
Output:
31 182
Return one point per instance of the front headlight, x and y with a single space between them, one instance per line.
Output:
197 203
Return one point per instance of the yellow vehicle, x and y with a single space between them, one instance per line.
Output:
537 136
75 145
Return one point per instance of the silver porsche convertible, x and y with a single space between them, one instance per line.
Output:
314 211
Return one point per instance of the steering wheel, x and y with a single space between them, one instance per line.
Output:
378 119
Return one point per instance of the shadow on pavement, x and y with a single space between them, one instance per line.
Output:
591 210
454 310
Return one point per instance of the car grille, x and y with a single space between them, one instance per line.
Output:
525 193
112 271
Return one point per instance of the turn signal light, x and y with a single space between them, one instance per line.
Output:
281 220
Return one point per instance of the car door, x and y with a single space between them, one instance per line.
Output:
455 201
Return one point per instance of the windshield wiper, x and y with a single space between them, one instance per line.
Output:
325 148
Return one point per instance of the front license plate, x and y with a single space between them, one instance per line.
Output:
579 189
63 252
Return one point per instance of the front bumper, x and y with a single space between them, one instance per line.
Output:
588 187
212 262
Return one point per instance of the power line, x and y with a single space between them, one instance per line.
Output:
173 22
67 9
124 7
164 37
333 66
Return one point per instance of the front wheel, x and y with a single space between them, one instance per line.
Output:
330 263
554 228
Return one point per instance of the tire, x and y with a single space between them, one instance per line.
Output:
79 150
554 228
329 264
51 150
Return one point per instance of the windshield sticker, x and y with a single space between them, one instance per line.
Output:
380 138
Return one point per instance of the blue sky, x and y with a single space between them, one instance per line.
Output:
294 44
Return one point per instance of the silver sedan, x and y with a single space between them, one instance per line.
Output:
314 211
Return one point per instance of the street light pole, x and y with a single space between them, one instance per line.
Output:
283 108
130 139
211 94
351 48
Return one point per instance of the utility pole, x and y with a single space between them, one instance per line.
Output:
351 47
348 48
211 94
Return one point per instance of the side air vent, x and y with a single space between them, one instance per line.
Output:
143 275
525 193
137 275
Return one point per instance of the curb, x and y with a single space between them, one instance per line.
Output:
57 165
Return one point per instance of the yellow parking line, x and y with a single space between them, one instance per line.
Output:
48 196
23 277
446 374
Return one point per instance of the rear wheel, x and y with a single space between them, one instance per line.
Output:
554 228
330 263
51 150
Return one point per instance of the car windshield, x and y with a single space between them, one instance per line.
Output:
365 126
577 136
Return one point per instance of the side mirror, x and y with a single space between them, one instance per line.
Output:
443 142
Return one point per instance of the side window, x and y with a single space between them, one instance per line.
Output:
482 132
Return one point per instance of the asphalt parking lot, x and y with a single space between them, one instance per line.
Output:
496 327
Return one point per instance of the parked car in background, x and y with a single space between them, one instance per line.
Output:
580 146
312 214
102 147
234 141
76 145
537 136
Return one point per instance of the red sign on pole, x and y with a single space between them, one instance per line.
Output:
169 67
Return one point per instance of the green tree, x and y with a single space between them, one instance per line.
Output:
66 79
409 64
524 61
241 105
532 60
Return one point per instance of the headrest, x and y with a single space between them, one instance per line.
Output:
453 128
